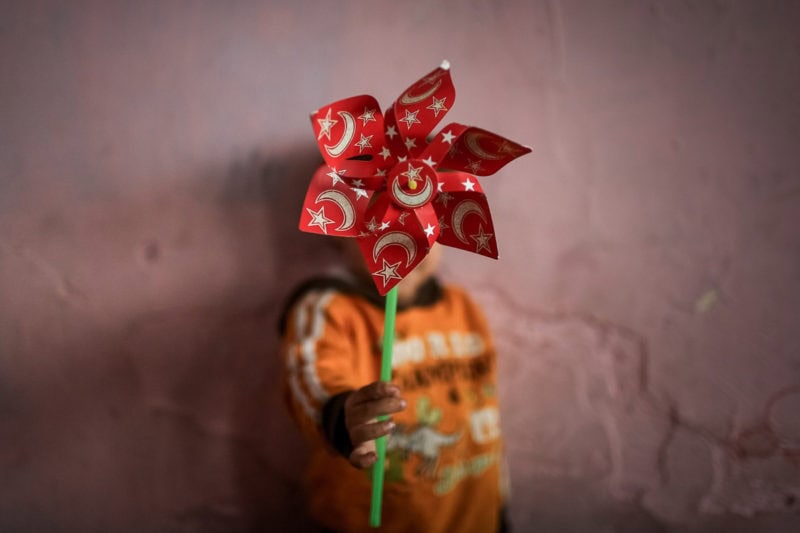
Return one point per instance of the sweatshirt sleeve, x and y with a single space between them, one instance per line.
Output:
317 355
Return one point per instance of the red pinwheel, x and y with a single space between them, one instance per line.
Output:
397 189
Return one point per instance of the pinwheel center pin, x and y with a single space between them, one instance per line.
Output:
412 184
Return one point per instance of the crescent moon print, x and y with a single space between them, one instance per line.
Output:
413 200
460 212
408 98
340 199
349 132
418 186
472 139
396 238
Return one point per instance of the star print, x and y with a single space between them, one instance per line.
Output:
430 80
442 225
412 173
372 225
447 137
429 161
380 172
384 225
410 118
325 125
402 158
358 183
363 142
474 166
388 272
334 175
439 186
391 132
369 114
505 147
360 193
385 153
468 185
444 197
437 106
429 230
410 143
482 240
362 234
402 218
319 219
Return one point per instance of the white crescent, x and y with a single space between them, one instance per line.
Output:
408 99
396 238
349 132
344 203
460 211
474 146
413 200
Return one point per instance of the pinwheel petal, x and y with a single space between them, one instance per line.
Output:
332 207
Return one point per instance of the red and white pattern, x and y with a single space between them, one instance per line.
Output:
396 187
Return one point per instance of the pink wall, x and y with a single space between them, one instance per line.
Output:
153 157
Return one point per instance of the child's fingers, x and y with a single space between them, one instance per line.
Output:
374 391
363 459
368 432
364 412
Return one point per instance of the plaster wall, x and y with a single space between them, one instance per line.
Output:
153 159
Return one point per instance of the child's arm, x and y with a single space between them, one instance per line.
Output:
319 388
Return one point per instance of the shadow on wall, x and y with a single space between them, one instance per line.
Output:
155 389
224 407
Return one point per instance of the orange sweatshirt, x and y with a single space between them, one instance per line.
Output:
444 456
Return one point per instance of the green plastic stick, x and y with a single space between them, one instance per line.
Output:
386 375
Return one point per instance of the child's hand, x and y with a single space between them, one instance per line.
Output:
361 409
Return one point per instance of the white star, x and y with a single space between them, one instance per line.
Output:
429 230
384 225
325 125
447 137
402 158
468 185
439 186
391 132
482 240
363 142
474 166
358 183
444 198
385 153
372 225
362 234
410 143
412 173
334 175
437 106
360 193
410 118
388 272
380 172
319 219
429 161
369 114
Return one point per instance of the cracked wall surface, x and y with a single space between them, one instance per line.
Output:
153 159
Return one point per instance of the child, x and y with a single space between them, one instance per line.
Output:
444 453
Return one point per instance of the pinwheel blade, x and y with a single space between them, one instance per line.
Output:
332 207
